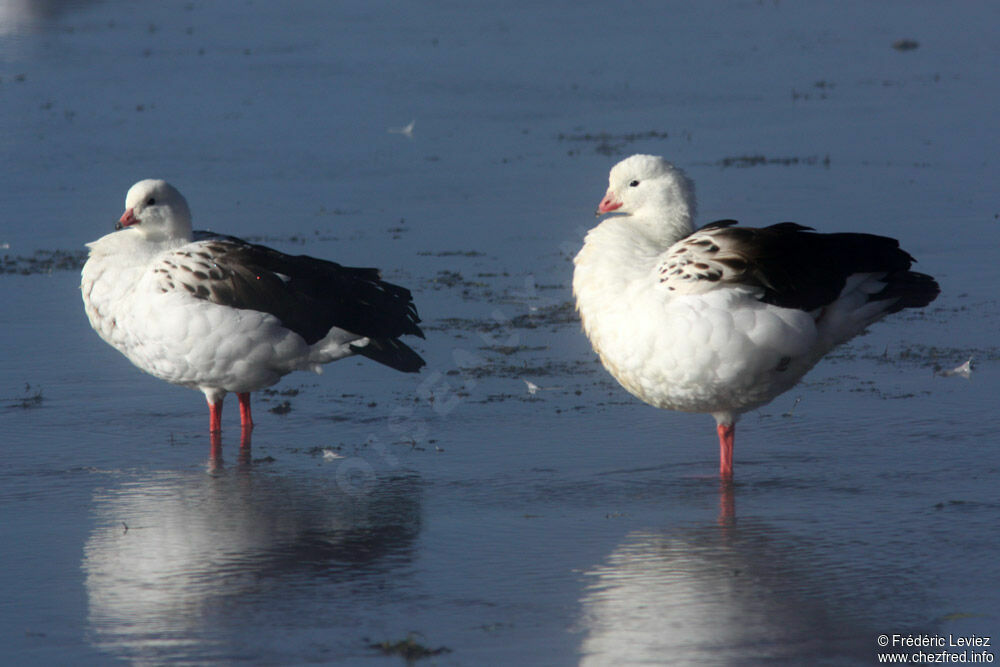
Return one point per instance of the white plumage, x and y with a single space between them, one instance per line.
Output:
723 319
221 315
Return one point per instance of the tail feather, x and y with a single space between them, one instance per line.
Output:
910 289
392 353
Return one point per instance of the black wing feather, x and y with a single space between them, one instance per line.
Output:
719 224
311 296
799 268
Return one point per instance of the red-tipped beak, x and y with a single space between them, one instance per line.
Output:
608 204
127 219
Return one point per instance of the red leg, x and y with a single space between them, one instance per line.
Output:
215 416
727 434
246 421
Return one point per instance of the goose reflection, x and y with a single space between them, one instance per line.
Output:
178 558
215 461
727 593
20 16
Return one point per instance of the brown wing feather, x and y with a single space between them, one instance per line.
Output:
309 296
791 265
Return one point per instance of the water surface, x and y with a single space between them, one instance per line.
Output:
456 510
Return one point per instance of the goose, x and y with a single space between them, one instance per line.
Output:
218 314
723 319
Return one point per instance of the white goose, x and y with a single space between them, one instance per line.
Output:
218 314
723 319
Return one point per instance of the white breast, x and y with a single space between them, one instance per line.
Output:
181 339
721 350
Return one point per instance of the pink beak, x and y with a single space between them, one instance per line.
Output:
128 218
608 204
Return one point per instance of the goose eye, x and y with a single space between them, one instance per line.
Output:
150 201
633 184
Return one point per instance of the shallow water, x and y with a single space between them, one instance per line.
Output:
456 508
